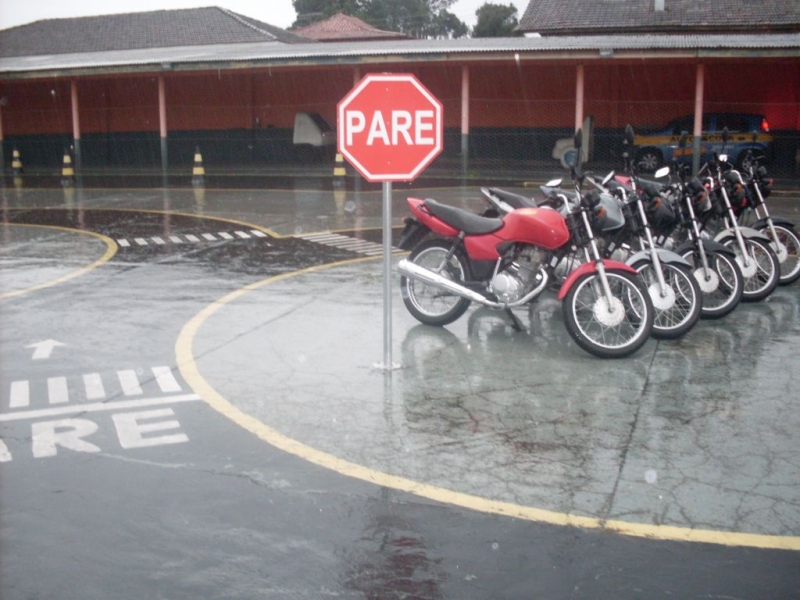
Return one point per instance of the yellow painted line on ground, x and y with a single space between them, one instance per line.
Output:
111 250
190 372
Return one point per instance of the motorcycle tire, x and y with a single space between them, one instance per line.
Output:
722 289
614 333
428 303
789 254
677 311
764 280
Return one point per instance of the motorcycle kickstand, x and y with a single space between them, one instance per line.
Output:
516 324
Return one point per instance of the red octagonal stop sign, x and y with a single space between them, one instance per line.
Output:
389 127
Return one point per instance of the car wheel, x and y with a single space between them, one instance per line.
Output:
744 163
649 160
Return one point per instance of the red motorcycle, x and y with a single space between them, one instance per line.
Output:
458 257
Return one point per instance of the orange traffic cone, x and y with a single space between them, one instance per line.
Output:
339 171
67 172
198 172
16 163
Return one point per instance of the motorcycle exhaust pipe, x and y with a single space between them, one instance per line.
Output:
409 269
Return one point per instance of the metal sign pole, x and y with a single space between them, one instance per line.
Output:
387 277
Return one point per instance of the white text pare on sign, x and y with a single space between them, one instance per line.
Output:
414 129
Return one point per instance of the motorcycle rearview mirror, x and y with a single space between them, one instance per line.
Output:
662 172
607 178
553 183
683 139
629 135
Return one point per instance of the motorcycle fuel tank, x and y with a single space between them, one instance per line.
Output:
542 227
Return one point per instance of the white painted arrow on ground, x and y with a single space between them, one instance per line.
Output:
44 349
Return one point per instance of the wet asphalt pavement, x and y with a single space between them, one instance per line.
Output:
190 409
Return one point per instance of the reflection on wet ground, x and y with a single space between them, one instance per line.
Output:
699 432
23 265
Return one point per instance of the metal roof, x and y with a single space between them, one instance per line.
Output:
571 17
224 56
151 29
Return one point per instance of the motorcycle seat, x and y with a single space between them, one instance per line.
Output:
616 185
463 220
512 199
650 189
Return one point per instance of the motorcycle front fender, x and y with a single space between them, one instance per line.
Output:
666 256
747 233
591 267
709 245
762 223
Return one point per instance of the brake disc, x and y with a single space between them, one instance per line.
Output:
708 282
661 301
609 317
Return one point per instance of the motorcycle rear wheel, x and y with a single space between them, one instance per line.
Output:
683 304
725 283
609 332
428 303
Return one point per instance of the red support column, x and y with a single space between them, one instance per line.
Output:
464 119
162 123
698 116
76 124
579 95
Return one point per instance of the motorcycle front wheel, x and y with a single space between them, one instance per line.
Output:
761 272
428 303
677 310
721 286
787 250
609 329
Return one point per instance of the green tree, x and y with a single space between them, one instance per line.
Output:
447 25
495 20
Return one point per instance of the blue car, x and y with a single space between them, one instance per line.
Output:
747 131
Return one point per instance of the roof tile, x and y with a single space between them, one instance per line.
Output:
344 27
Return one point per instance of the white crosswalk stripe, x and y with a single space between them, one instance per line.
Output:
20 396
93 384
336 240
129 382
193 238
90 387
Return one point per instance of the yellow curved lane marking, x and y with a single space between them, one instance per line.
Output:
111 250
190 372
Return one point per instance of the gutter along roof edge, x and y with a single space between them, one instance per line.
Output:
165 59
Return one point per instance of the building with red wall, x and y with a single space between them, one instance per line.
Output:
232 85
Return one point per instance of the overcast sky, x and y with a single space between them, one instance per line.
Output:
275 12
